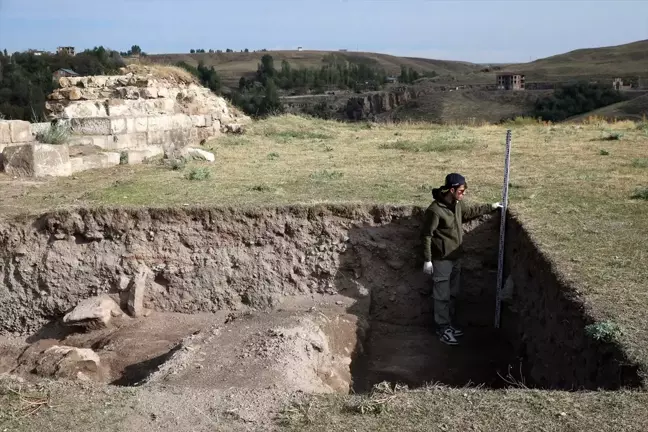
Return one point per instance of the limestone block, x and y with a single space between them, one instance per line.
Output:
164 106
138 290
208 120
160 123
138 156
20 131
118 126
198 121
181 121
79 109
136 124
5 134
180 137
37 160
37 128
95 161
93 313
149 93
163 92
91 126
160 138
198 154
132 140
71 363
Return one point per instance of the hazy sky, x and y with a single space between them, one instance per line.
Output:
478 30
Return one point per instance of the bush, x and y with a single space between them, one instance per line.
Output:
605 331
604 152
640 193
199 173
573 99
640 163
56 133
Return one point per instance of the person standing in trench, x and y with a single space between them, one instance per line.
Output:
442 249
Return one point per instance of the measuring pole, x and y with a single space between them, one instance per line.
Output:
500 257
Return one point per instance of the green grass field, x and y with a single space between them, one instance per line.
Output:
580 191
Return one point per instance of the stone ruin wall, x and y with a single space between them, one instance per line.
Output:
140 114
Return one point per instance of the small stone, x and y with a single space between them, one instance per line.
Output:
93 313
339 303
21 250
147 313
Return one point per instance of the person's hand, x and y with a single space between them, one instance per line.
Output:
496 205
428 268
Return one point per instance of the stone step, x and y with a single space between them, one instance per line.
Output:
94 161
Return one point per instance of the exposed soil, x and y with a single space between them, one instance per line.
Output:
319 299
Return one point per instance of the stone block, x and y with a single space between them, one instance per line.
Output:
160 123
91 125
37 128
20 131
102 141
138 156
136 124
181 121
149 93
181 137
132 140
158 137
198 154
198 121
5 133
37 160
118 126
95 161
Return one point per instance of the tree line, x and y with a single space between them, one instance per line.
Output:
26 78
574 99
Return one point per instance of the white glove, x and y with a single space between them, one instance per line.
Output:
496 205
428 268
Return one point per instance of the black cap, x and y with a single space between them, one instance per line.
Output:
454 180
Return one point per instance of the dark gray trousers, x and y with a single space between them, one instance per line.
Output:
445 289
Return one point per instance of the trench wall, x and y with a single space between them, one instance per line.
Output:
205 260
549 321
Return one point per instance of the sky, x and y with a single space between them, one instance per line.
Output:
478 31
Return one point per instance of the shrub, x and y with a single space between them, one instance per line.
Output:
640 193
640 163
55 133
604 152
605 331
198 173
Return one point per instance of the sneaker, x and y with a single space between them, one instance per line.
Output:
456 331
447 336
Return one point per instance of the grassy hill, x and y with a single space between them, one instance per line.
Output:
633 109
231 66
605 62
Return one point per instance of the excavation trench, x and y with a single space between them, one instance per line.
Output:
318 299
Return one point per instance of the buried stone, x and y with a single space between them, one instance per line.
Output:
93 313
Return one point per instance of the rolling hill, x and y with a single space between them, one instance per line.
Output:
605 62
633 109
231 66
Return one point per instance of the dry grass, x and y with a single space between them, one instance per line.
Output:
163 71
444 409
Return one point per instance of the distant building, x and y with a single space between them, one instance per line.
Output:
618 85
66 50
64 73
510 81
36 52
300 49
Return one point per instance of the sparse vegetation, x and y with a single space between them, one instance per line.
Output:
604 152
612 136
640 163
273 156
605 331
55 133
198 173
326 175
640 193
123 158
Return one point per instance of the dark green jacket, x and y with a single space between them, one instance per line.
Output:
442 229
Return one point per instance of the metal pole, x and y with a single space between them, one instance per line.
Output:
500 258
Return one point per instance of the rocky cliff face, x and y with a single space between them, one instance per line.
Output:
372 105
140 92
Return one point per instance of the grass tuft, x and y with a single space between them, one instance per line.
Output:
273 156
55 133
640 193
326 175
640 163
198 173
604 152
605 331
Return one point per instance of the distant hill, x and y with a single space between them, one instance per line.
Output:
231 66
605 62
633 109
